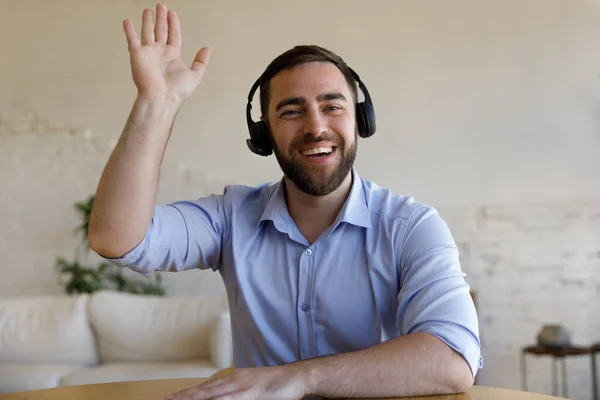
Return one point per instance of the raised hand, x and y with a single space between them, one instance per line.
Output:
158 71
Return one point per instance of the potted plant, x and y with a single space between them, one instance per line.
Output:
76 277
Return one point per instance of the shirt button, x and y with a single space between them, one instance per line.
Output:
308 252
305 307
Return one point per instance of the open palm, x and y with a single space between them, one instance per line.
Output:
156 65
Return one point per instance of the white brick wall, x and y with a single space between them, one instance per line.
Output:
532 265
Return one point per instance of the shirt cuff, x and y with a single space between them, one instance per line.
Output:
460 340
133 257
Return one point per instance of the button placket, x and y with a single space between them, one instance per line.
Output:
306 276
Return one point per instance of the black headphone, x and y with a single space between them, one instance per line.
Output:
260 140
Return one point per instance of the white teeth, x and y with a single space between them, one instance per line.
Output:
317 150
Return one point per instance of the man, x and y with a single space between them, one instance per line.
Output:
336 287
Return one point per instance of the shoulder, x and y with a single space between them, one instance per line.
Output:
387 205
247 204
250 196
415 228
233 198
405 219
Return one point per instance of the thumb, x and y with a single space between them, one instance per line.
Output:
200 62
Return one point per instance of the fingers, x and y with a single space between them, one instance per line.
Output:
203 393
132 40
216 385
165 30
200 62
174 29
147 27
161 29
235 396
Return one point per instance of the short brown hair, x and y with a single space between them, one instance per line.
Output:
300 55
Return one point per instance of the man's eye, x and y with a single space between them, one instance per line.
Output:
333 108
290 113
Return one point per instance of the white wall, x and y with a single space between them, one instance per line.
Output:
479 103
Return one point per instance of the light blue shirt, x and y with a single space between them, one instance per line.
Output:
388 266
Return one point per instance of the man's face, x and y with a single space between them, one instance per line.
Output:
313 126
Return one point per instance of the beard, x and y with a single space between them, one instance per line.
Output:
315 179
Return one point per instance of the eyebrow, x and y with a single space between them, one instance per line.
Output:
331 96
301 100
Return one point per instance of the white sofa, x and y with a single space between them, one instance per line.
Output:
56 341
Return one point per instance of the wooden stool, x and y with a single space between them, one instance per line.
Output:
593 350
555 353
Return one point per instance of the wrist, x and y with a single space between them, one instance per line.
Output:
152 118
150 122
307 374
157 106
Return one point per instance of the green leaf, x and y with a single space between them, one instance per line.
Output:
78 278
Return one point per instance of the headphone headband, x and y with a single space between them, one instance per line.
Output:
362 86
249 106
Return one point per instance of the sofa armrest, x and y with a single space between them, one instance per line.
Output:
221 346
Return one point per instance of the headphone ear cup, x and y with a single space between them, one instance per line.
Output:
362 120
259 132
365 119
369 113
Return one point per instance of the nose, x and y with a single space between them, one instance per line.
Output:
314 122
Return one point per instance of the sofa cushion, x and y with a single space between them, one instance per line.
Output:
153 328
46 329
120 372
20 377
221 348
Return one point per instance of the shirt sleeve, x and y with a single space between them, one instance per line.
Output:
434 295
182 235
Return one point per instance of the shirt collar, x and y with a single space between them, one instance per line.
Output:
355 210
276 204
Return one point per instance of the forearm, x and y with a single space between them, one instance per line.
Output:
126 193
411 365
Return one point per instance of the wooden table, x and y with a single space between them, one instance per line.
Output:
159 389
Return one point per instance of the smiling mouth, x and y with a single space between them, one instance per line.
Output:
318 152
